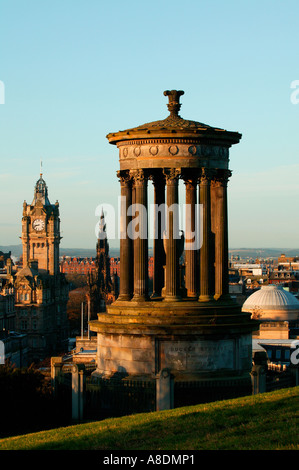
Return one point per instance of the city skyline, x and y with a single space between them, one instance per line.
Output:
74 72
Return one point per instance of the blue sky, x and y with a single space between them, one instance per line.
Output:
74 70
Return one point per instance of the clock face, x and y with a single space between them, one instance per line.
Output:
38 224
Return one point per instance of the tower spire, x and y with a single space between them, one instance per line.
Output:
41 190
102 226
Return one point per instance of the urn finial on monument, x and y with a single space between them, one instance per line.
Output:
174 104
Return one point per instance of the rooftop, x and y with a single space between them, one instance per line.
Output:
272 297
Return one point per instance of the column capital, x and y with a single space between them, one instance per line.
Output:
190 181
221 178
206 175
138 176
124 177
172 174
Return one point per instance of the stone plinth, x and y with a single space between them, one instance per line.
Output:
197 344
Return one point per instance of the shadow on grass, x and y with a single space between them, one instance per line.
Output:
266 421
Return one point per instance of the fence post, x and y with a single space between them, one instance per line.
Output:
295 373
258 379
164 390
56 366
82 393
78 380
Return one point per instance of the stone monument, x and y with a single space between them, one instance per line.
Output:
199 334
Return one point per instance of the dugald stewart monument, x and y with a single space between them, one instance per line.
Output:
189 332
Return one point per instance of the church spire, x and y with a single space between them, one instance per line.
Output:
102 226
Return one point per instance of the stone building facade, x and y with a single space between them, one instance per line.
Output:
41 291
7 309
77 265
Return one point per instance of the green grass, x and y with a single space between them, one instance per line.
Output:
260 422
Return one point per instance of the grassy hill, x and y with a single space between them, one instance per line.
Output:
260 422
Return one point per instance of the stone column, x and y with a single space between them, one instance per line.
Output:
171 242
126 244
140 236
205 251
159 228
191 238
221 237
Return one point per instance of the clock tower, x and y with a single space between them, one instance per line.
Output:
41 230
41 290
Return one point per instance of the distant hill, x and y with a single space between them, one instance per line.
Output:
263 252
16 250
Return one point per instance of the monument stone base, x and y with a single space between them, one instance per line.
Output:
207 348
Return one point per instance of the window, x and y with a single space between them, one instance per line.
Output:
278 354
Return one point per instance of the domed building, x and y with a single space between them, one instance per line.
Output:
276 309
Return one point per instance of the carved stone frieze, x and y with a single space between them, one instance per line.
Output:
137 151
167 148
173 149
154 150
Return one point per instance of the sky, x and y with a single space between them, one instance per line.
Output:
72 71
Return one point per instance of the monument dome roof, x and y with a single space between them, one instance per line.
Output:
174 126
271 297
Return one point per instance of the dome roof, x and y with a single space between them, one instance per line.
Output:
175 126
272 297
